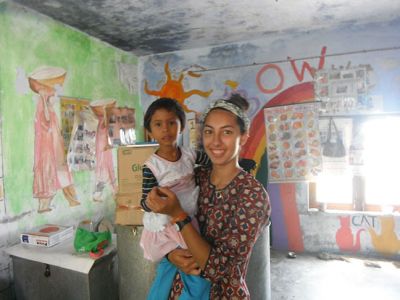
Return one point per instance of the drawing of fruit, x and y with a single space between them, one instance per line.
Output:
287 154
288 164
288 173
299 135
286 145
300 153
299 144
275 174
273 156
311 134
274 165
271 127
315 152
301 163
297 125
272 147
286 135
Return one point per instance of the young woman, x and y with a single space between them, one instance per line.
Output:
233 207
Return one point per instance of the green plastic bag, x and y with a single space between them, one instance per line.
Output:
89 241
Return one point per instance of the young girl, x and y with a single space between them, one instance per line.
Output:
170 166
233 207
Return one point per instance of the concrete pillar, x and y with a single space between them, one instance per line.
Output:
135 273
258 277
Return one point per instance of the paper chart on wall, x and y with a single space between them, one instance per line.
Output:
121 126
293 142
69 108
344 91
82 146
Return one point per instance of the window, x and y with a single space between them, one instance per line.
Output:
367 179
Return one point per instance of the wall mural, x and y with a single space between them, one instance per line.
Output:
104 162
39 186
173 88
345 238
54 154
51 171
2 209
384 240
297 69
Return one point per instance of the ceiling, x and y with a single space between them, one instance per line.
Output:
155 26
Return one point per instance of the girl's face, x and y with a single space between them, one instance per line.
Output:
222 138
165 127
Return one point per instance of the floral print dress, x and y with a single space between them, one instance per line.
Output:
230 219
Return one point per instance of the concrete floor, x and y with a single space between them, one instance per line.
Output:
307 277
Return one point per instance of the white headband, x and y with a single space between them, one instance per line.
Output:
229 106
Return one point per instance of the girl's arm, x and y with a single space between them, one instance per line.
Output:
202 159
183 259
149 181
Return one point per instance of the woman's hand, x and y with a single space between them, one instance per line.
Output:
183 260
162 200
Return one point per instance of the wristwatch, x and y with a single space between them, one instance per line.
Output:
180 224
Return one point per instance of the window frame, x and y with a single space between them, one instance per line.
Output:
358 198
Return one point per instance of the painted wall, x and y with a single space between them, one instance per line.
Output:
278 70
94 70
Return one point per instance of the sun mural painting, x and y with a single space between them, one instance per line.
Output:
174 88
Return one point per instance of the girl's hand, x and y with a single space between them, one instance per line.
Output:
184 261
164 201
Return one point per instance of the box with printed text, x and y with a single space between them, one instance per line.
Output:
47 235
130 162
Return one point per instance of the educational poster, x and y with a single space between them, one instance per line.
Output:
293 142
121 126
193 129
82 146
69 107
344 90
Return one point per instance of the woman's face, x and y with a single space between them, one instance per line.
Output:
222 138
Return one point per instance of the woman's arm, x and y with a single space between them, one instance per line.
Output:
162 200
183 259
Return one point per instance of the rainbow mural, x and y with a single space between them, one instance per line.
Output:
286 231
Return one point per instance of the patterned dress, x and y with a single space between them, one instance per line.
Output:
230 219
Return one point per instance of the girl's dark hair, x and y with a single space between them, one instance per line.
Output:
243 104
168 104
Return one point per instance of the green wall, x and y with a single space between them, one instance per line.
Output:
28 41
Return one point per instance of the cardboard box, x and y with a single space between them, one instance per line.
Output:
128 216
130 162
47 235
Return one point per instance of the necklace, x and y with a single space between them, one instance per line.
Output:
218 195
